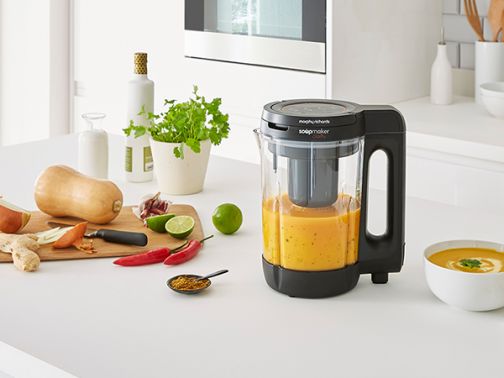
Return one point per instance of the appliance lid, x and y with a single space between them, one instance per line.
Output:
312 108
314 120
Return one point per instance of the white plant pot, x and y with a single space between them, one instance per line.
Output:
180 176
489 65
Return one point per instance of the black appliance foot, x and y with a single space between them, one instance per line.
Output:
379 278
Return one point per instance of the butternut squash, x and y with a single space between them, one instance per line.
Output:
61 191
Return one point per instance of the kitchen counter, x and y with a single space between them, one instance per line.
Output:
462 128
15 363
93 319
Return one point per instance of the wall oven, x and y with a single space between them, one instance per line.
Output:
289 34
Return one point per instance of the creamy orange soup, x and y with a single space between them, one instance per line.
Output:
301 238
473 260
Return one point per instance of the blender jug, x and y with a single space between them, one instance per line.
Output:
314 158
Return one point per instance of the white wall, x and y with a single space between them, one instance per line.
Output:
60 71
107 33
34 70
24 70
382 50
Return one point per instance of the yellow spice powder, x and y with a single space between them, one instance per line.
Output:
186 283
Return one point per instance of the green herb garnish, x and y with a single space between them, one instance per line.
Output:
470 263
187 123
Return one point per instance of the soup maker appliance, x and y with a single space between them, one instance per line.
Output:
315 158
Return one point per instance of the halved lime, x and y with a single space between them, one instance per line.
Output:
157 222
180 227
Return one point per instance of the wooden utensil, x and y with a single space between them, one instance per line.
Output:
494 17
471 10
502 26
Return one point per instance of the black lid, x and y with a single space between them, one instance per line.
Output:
312 120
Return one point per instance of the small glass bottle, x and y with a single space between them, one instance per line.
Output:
93 147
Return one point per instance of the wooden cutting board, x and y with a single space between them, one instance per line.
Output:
126 221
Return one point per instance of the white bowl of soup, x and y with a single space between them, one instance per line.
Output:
468 274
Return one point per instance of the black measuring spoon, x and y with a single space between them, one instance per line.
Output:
198 278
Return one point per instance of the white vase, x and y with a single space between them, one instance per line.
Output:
489 65
180 176
441 77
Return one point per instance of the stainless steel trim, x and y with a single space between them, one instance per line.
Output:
255 50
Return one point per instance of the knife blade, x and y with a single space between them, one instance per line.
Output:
111 236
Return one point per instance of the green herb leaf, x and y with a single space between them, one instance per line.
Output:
140 131
188 122
470 263
194 144
177 151
142 111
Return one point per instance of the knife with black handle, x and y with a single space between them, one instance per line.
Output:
111 236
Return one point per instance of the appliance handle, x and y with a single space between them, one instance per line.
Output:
380 255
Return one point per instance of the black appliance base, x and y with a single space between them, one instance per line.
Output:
305 284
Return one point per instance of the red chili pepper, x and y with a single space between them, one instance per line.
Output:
150 257
186 253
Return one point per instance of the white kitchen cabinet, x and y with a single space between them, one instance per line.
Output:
455 154
455 183
448 182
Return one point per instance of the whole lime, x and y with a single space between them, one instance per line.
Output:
227 218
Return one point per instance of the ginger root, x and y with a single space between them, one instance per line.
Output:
22 248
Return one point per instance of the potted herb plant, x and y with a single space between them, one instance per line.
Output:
181 138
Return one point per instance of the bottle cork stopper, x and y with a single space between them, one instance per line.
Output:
140 60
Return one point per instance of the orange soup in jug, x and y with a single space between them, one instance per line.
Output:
311 239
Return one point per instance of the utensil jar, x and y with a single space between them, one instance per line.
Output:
489 65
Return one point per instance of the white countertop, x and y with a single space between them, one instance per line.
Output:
17 364
94 319
462 128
